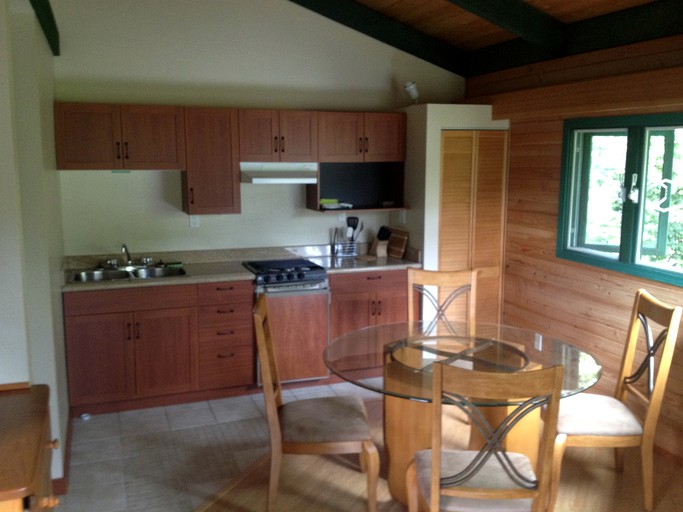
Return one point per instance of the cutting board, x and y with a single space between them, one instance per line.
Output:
397 242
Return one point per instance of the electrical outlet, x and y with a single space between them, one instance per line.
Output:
194 221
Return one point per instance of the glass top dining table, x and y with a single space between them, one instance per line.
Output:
406 353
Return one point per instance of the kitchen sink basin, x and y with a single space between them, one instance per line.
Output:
85 276
114 274
149 272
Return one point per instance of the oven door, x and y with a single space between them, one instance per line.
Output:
299 323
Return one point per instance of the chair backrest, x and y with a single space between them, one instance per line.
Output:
269 373
656 323
449 284
527 392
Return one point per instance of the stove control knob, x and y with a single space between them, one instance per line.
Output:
279 277
300 275
266 279
290 276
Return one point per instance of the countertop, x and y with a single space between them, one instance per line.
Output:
199 271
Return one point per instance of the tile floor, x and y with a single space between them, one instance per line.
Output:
170 459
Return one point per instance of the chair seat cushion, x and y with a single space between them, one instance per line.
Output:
588 414
490 476
324 419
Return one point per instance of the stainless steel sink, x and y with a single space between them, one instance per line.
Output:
150 272
104 274
85 276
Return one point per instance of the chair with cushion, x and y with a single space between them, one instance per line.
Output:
326 425
440 289
491 479
600 421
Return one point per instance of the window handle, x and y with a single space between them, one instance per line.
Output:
634 192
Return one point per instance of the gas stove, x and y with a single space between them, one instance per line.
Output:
292 274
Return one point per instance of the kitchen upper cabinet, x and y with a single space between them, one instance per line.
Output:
226 334
278 136
130 343
106 136
211 179
362 137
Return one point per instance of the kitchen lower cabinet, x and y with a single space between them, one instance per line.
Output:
211 181
130 343
226 334
107 136
299 330
363 299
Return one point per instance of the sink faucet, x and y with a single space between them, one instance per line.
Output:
129 260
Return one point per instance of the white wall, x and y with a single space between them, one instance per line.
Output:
243 53
14 360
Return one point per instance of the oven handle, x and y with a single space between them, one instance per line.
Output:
290 293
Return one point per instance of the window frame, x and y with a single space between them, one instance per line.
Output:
636 126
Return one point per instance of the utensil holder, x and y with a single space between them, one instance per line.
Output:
347 249
379 248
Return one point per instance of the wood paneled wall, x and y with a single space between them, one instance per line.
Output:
585 305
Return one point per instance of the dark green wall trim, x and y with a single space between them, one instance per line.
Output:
47 23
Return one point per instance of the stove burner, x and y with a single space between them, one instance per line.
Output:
286 272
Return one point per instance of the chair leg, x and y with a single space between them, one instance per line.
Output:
370 463
558 455
273 481
646 457
619 460
411 487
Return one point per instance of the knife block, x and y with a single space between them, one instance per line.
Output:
379 248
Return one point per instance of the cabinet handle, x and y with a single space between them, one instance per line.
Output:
125 150
360 144
373 278
137 330
191 195
130 334
224 311
282 144
118 151
366 144
48 502
223 289
373 308
379 308
224 333
54 444
225 356
275 145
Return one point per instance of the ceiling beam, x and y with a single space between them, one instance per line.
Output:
47 22
522 19
655 20
389 31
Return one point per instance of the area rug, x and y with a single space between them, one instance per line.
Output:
331 483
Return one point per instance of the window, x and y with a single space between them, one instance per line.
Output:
621 196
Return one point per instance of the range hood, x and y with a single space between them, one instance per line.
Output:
279 172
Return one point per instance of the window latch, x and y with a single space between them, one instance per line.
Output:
634 193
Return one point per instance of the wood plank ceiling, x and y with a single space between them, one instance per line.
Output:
473 37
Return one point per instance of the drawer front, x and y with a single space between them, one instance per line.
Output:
369 281
236 313
224 292
223 365
239 334
129 299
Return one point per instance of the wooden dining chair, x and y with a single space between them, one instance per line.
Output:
325 425
492 478
440 289
600 421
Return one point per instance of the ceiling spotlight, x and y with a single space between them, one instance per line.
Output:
411 89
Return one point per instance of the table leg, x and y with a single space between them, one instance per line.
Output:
407 429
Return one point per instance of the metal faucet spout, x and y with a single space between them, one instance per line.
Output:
124 250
